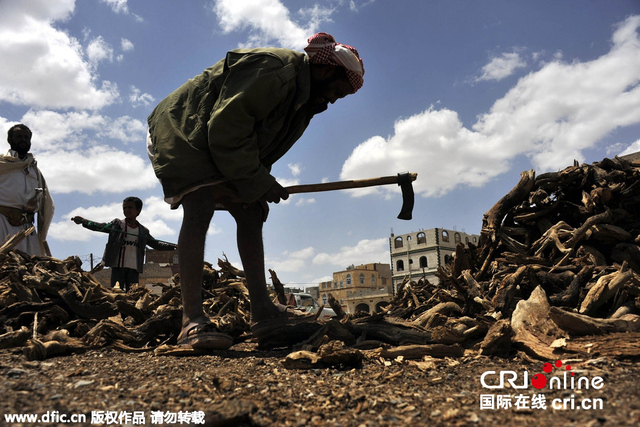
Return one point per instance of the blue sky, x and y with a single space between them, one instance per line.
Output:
468 94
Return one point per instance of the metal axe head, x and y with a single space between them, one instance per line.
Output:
405 181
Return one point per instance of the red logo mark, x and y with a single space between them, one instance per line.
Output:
540 380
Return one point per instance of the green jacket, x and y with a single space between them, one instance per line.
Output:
232 122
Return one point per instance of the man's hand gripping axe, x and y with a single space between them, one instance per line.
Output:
404 180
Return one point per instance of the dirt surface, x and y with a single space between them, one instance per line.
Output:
249 387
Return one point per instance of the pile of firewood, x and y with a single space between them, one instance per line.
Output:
52 307
557 264
556 272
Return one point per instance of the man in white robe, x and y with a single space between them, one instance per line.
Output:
24 196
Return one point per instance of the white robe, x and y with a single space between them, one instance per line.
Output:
19 180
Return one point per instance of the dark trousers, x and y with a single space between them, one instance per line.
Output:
124 276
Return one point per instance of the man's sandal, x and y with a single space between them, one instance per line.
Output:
204 336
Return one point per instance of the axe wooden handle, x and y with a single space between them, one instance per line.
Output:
345 185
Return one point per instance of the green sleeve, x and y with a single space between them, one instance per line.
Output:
254 88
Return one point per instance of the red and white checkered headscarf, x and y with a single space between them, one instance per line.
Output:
323 49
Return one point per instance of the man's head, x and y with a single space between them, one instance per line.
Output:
19 138
336 70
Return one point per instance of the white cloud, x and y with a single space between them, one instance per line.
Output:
98 50
53 131
550 115
118 6
304 201
502 66
138 99
126 45
42 66
291 261
125 129
633 148
87 172
295 168
286 182
270 21
365 252
121 6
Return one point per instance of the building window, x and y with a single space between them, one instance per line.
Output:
341 284
400 265
373 279
335 285
445 236
422 238
362 278
175 259
423 262
466 240
398 242
348 280
456 238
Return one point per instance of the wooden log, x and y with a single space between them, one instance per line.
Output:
279 287
229 270
569 297
446 335
622 345
605 288
333 353
15 338
12 241
41 350
534 330
497 341
445 308
492 220
420 351
591 255
580 232
553 238
102 310
394 332
503 299
627 252
580 324
336 306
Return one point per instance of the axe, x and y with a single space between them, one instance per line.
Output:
404 180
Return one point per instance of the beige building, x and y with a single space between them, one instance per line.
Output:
365 287
420 253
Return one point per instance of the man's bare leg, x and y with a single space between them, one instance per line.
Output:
198 208
249 220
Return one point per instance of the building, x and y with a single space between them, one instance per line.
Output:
420 253
363 288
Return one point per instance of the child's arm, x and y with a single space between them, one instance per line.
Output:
93 226
160 245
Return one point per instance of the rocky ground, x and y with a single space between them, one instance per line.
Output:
249 387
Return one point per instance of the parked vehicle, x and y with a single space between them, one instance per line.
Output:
309 304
